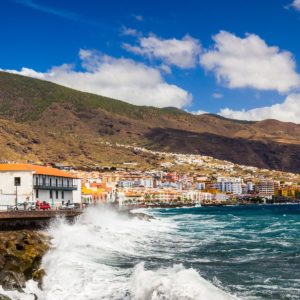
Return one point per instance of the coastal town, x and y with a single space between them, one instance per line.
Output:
185 179
180 180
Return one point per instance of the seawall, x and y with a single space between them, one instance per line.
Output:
17 220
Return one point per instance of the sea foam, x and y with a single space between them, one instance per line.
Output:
176 283
102 256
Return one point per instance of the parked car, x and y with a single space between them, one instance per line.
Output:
31 206
43 205
69 205
22 206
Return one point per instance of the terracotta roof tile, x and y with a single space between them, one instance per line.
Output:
39 170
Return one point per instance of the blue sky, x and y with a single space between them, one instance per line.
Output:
239 58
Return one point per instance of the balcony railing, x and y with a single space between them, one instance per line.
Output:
47 186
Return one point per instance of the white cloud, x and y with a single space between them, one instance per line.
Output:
129 31
198 112
139 18
287 111
217 95
181 53
26 72
296 4
250 62
166 69
123 79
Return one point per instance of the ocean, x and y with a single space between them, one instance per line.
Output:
203 253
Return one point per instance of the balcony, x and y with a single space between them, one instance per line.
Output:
61 187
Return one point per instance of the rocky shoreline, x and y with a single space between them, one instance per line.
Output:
21 253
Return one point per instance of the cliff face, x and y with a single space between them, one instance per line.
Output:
42 121
21 253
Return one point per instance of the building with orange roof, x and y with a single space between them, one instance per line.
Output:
97 192
20 183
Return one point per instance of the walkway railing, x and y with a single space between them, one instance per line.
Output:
46 186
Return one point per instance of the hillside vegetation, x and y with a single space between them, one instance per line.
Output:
42 121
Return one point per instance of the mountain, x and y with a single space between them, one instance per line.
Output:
43 121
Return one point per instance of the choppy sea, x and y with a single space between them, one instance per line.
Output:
205 253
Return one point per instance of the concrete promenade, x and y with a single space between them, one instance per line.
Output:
15 220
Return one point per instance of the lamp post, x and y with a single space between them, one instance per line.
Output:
16 196
17 183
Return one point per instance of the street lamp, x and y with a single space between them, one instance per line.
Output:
17 183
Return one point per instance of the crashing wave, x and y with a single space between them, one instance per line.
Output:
101 257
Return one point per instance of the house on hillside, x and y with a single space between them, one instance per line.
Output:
21 183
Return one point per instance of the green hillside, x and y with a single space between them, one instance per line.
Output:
43 121
39 95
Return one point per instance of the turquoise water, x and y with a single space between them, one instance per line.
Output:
205 253
252 252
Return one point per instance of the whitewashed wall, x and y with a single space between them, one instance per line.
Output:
8 189
44 195
77 193
26 191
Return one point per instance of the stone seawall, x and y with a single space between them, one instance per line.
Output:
18 220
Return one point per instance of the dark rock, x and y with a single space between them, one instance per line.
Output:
10 280
21 253
38 277
35 141
141 216
2 261
2 297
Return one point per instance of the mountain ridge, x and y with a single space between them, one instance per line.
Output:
78 121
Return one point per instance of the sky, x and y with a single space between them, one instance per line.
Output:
236 58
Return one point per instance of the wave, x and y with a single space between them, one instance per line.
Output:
176 283
104 256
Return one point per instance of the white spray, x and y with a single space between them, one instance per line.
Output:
101 257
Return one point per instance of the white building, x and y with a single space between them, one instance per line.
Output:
250 186
230 185
200 185
221 197
266 188
21 183
197 197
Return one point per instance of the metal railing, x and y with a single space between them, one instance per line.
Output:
48 186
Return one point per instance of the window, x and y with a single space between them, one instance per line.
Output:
56 194
51 195
36 180
62 194
50 181
56 182
36 193
17 181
